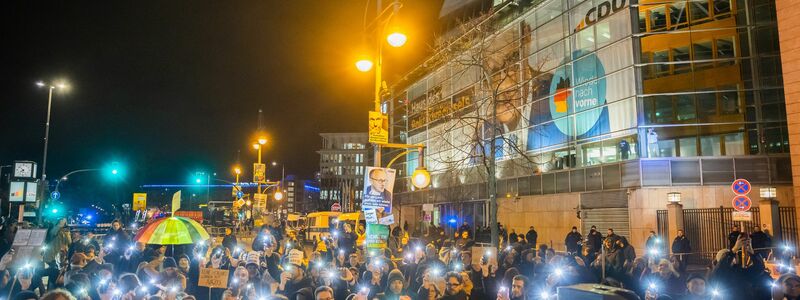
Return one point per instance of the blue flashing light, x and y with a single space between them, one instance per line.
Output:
453 220
311 188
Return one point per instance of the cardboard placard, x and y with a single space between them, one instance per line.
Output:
213 278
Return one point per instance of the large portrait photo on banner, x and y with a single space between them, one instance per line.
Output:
378 190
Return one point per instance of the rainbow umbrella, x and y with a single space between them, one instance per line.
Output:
172 231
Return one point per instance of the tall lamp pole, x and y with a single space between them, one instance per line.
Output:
395 39
50 88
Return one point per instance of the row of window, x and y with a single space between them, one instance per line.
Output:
679 14
342 158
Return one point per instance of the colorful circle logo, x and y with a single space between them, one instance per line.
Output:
582 101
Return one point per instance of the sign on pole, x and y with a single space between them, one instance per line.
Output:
742 203
377 235
139 201
741 187
378 128
743 216
213 278
259 173
377 200
55 195
336 206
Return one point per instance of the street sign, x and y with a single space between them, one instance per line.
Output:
743 216
55 195
239 195
259 172
336 206
741 203
741 187
378 128
139 201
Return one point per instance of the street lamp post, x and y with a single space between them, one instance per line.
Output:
394 39
50 88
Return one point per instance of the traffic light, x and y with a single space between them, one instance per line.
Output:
114 171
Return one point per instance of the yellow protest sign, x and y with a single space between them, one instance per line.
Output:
139 201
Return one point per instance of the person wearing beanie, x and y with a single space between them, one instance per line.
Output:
395 288
25 295
695 288
170 276
294 283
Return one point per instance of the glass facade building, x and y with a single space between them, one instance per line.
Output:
600 95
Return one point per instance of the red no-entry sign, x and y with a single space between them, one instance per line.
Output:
741 187
741 203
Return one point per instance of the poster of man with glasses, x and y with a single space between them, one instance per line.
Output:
377 203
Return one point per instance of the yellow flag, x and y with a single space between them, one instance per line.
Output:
176 202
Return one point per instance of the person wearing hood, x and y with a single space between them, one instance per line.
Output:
594 239
572 241
395 288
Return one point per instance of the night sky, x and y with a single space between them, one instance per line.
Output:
170 87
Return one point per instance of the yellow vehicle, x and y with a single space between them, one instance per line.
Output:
319 224
357 222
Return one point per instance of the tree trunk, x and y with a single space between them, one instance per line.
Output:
492 177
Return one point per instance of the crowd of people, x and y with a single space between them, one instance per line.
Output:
425 264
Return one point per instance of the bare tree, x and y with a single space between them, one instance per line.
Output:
485 123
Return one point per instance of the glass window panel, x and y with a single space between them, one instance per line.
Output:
734 144
707 104
663 109
703 50
729 102
722 7
688 146
685 107
658 18
677 13
710 146
681 54
550 32
725 48
661 58
584 41
699 10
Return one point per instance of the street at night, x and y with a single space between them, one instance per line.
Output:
400 150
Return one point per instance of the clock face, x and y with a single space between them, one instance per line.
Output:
23 170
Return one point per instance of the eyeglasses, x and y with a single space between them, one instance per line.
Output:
378 180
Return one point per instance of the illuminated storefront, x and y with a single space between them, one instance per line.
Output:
603 96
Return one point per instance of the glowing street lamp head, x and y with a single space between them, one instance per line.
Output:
256 146
114 171
364 65
40 83
262 140
421 178
237 170
279 195
396 39
197 180
274 163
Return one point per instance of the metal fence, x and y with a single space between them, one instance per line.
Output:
788 219
707 229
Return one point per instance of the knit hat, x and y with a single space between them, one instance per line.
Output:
25 295
395 275
693 277
169 262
